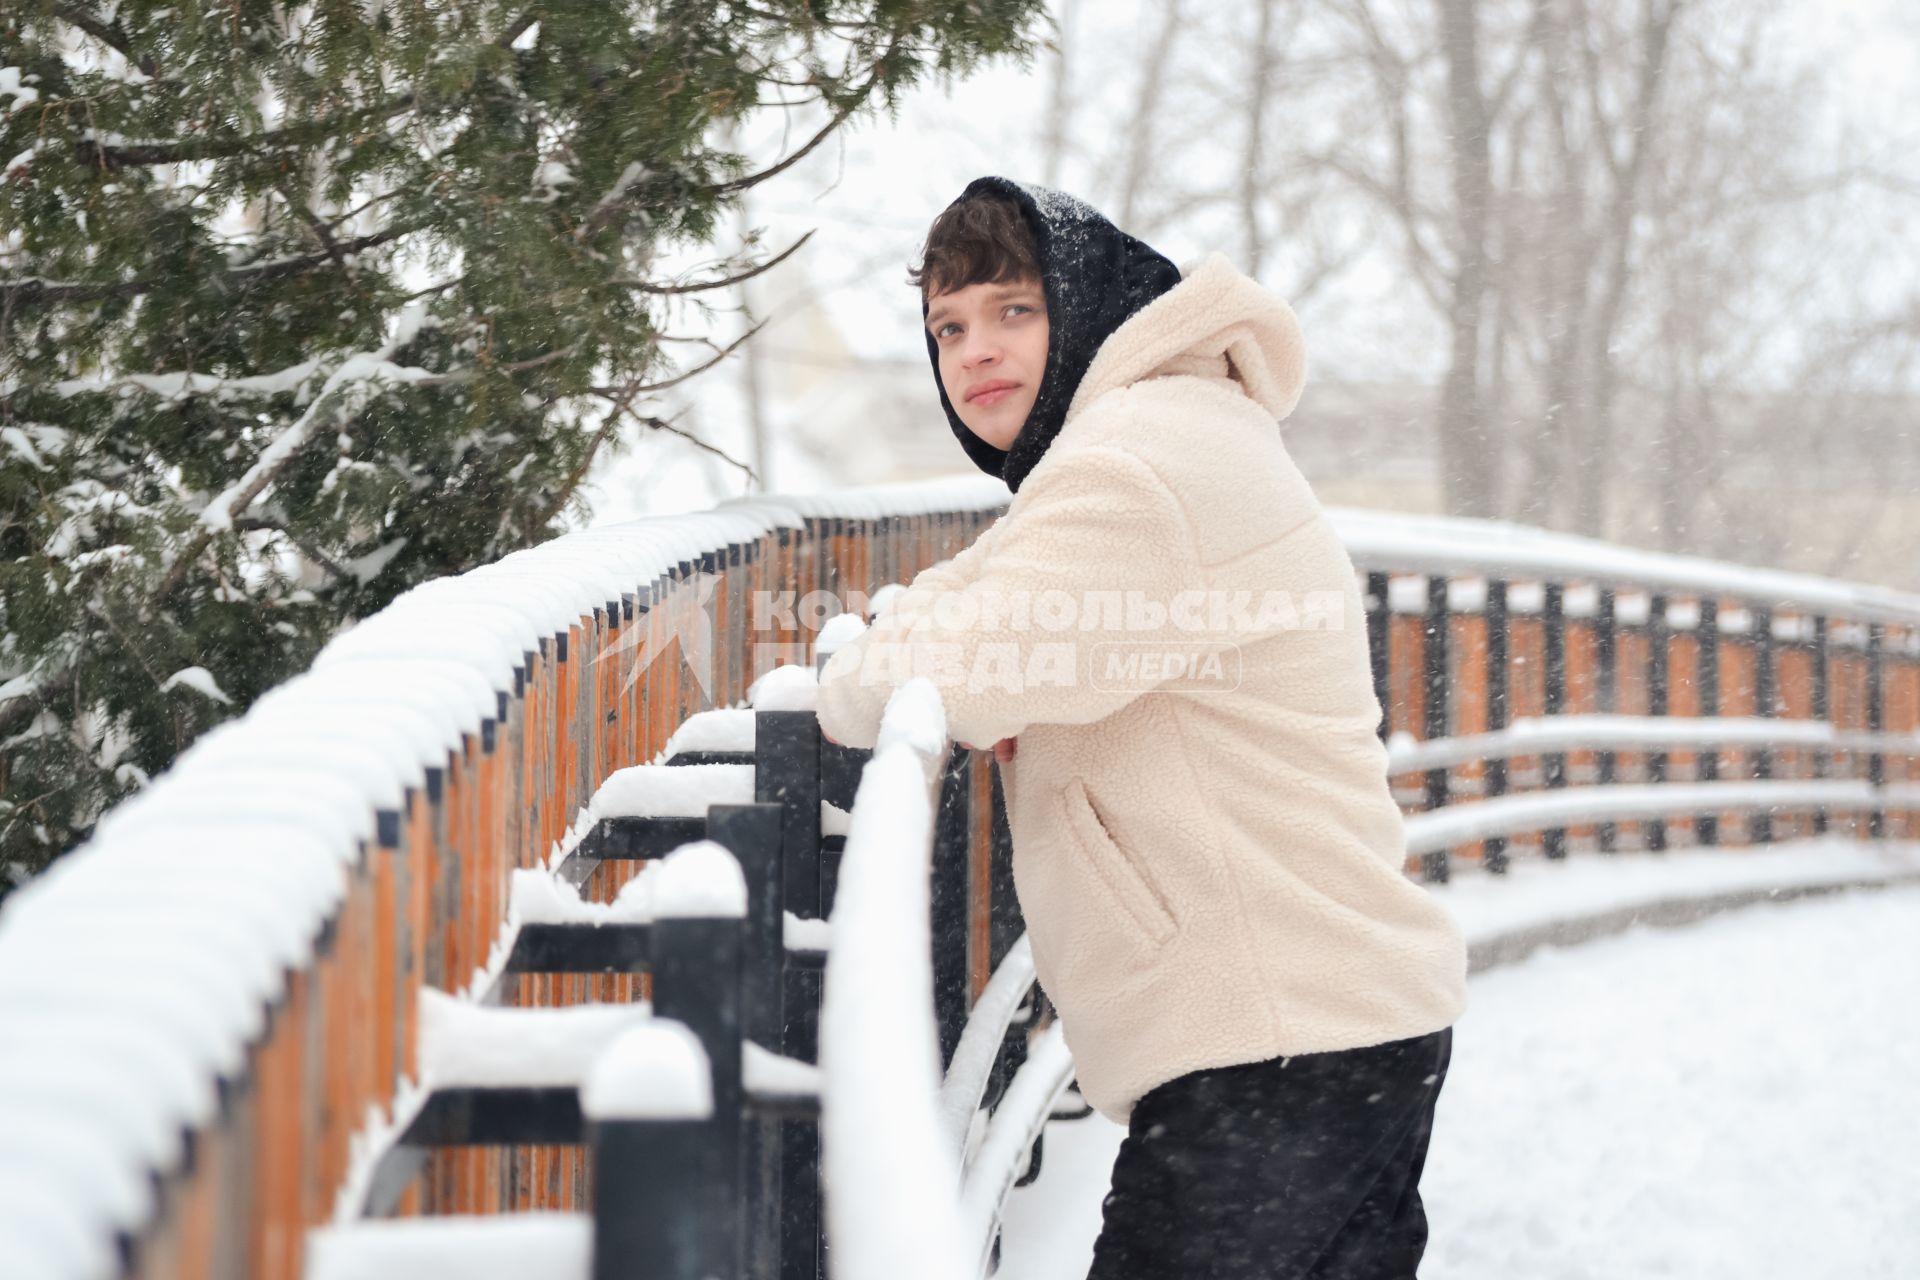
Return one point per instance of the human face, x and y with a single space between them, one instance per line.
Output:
992 340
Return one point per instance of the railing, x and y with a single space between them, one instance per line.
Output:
1512 661
912 1191
213 1011
220 1026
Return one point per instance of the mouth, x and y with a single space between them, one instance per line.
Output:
989 393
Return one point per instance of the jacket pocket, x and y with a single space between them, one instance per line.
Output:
1115 868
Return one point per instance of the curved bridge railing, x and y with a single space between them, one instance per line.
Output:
1569 688
261 1001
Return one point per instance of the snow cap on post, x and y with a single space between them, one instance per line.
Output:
840 630
791 686
656 1071
699 880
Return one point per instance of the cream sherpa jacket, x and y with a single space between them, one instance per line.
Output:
1209 863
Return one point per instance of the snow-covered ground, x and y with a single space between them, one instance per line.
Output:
1734 1098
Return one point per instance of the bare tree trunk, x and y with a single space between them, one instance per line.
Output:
1059 120
1466 456
1512 249
1567 262
1146 112
1592 452
1258 93
752 371
1678 491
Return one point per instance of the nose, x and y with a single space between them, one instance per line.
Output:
979 351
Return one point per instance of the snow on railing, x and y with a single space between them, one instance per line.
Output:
1443 545
892 1191
902 1198
1531 735
904 1193
225 976
1507 658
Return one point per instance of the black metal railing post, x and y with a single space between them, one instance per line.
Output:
654 1180
787 751
952 844
1606 672
1760 825
752 833
1378 618
1553 764
667 1189
1706 679
697 981
1494 772
1876 723
1653 832
1434 866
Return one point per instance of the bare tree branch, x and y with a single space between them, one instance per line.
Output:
838 118
24 291
113 35
722 282
632 389
1147 110
261 524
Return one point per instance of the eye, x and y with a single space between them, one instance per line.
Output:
1020 306
941 332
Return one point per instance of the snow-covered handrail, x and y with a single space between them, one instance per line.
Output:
981 1041
1533 735
892 1203
1400 543
902 1197
227 974
1537 810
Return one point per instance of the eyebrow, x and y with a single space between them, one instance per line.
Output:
1004 291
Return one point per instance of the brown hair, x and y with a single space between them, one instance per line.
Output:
982 240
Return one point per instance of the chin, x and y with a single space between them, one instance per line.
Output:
993 433
1002 433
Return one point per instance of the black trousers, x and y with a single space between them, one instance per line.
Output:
1302 1168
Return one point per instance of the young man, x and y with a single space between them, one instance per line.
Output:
1206 851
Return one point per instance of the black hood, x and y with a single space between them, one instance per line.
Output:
1095 276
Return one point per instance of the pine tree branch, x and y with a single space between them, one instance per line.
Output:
724 281
349 382
297 135
261 524
517 28
33 289
621 407
113 36
181 150
324 234
23 708
659 425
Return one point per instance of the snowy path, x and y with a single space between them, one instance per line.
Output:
1735 1098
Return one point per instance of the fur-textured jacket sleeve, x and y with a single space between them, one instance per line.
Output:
1017 639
